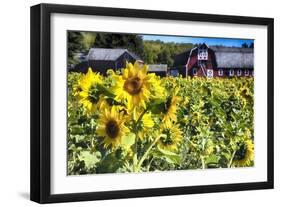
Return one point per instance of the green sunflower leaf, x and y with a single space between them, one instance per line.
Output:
213 159
103 90
169 156
109 164
157 106
128 140
90 159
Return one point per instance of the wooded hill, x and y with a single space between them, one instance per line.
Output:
151 52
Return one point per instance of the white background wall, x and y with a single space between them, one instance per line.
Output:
14 104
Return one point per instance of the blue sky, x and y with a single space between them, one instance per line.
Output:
209 41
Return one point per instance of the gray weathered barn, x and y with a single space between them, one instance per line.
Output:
102 59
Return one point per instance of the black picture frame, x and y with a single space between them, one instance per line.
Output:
41 96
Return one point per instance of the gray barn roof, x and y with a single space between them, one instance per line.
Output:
157 67
108 54
234 57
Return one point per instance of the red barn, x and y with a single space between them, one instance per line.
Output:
216 61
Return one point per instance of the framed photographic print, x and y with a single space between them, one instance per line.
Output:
132 103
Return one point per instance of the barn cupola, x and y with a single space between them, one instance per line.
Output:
202 52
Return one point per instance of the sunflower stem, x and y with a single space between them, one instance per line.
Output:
147 151
203 162
135 157
135 147
136 166
149 164
231 159
135 162
140 117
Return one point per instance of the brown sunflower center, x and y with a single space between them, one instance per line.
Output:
133 85
167 140
79 89
241 153
112 129
168 105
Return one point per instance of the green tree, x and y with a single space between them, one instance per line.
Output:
88 39
165 56
74 46
156 52
152 52
133 43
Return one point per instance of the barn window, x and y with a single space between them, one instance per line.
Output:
239 72
220 72
194 71
210 73
247 73
231 72
202 54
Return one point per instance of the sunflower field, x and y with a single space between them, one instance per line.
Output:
135 121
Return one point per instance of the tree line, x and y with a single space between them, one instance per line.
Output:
151 52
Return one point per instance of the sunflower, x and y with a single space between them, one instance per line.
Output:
135 86
244 94
145 124
196 117
245 154
185 101
208 148
89 95
76 86
111 126
171 139
103 103
170 110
